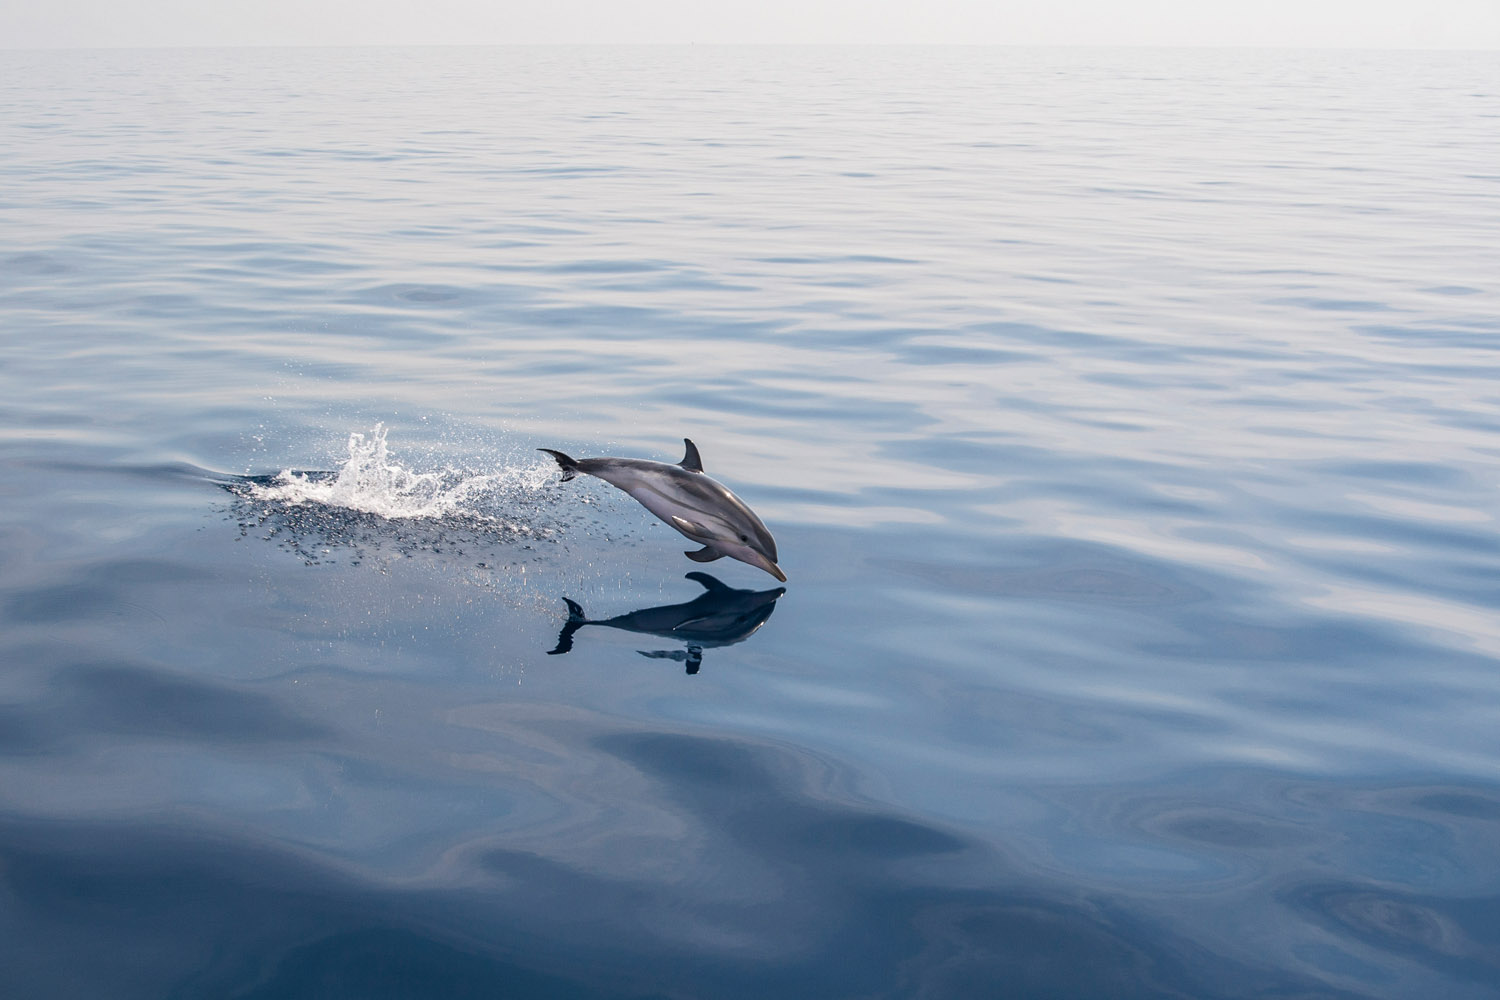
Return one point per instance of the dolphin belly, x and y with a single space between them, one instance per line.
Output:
678 510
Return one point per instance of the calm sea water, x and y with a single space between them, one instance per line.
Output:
1128 423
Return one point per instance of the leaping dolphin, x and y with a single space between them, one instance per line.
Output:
701 508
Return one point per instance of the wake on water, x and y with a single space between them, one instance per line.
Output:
370 482
373 504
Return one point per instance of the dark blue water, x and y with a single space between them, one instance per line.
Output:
1128 423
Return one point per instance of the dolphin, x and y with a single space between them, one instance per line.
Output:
701 508
720 616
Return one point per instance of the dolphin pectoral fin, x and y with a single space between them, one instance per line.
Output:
687 527
704 554
690 460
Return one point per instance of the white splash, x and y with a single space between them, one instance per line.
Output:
370 481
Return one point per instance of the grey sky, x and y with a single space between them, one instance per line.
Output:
1332 23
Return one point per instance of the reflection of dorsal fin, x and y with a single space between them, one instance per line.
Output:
691 461
710 583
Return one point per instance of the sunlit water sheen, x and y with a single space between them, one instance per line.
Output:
1128 423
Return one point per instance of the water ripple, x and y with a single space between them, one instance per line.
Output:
1126 422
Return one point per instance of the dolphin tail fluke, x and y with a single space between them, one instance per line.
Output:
569 466
576 620
704 554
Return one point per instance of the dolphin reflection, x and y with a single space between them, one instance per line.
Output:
720 616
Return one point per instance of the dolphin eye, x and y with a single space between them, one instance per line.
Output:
744 538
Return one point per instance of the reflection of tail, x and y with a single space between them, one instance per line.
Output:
576 620
569 466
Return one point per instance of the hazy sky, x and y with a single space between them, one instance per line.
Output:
1337 23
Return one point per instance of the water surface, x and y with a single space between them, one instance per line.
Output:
1127 422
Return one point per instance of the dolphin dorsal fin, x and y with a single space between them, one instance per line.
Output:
691 461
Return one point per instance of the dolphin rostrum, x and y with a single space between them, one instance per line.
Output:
701 508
